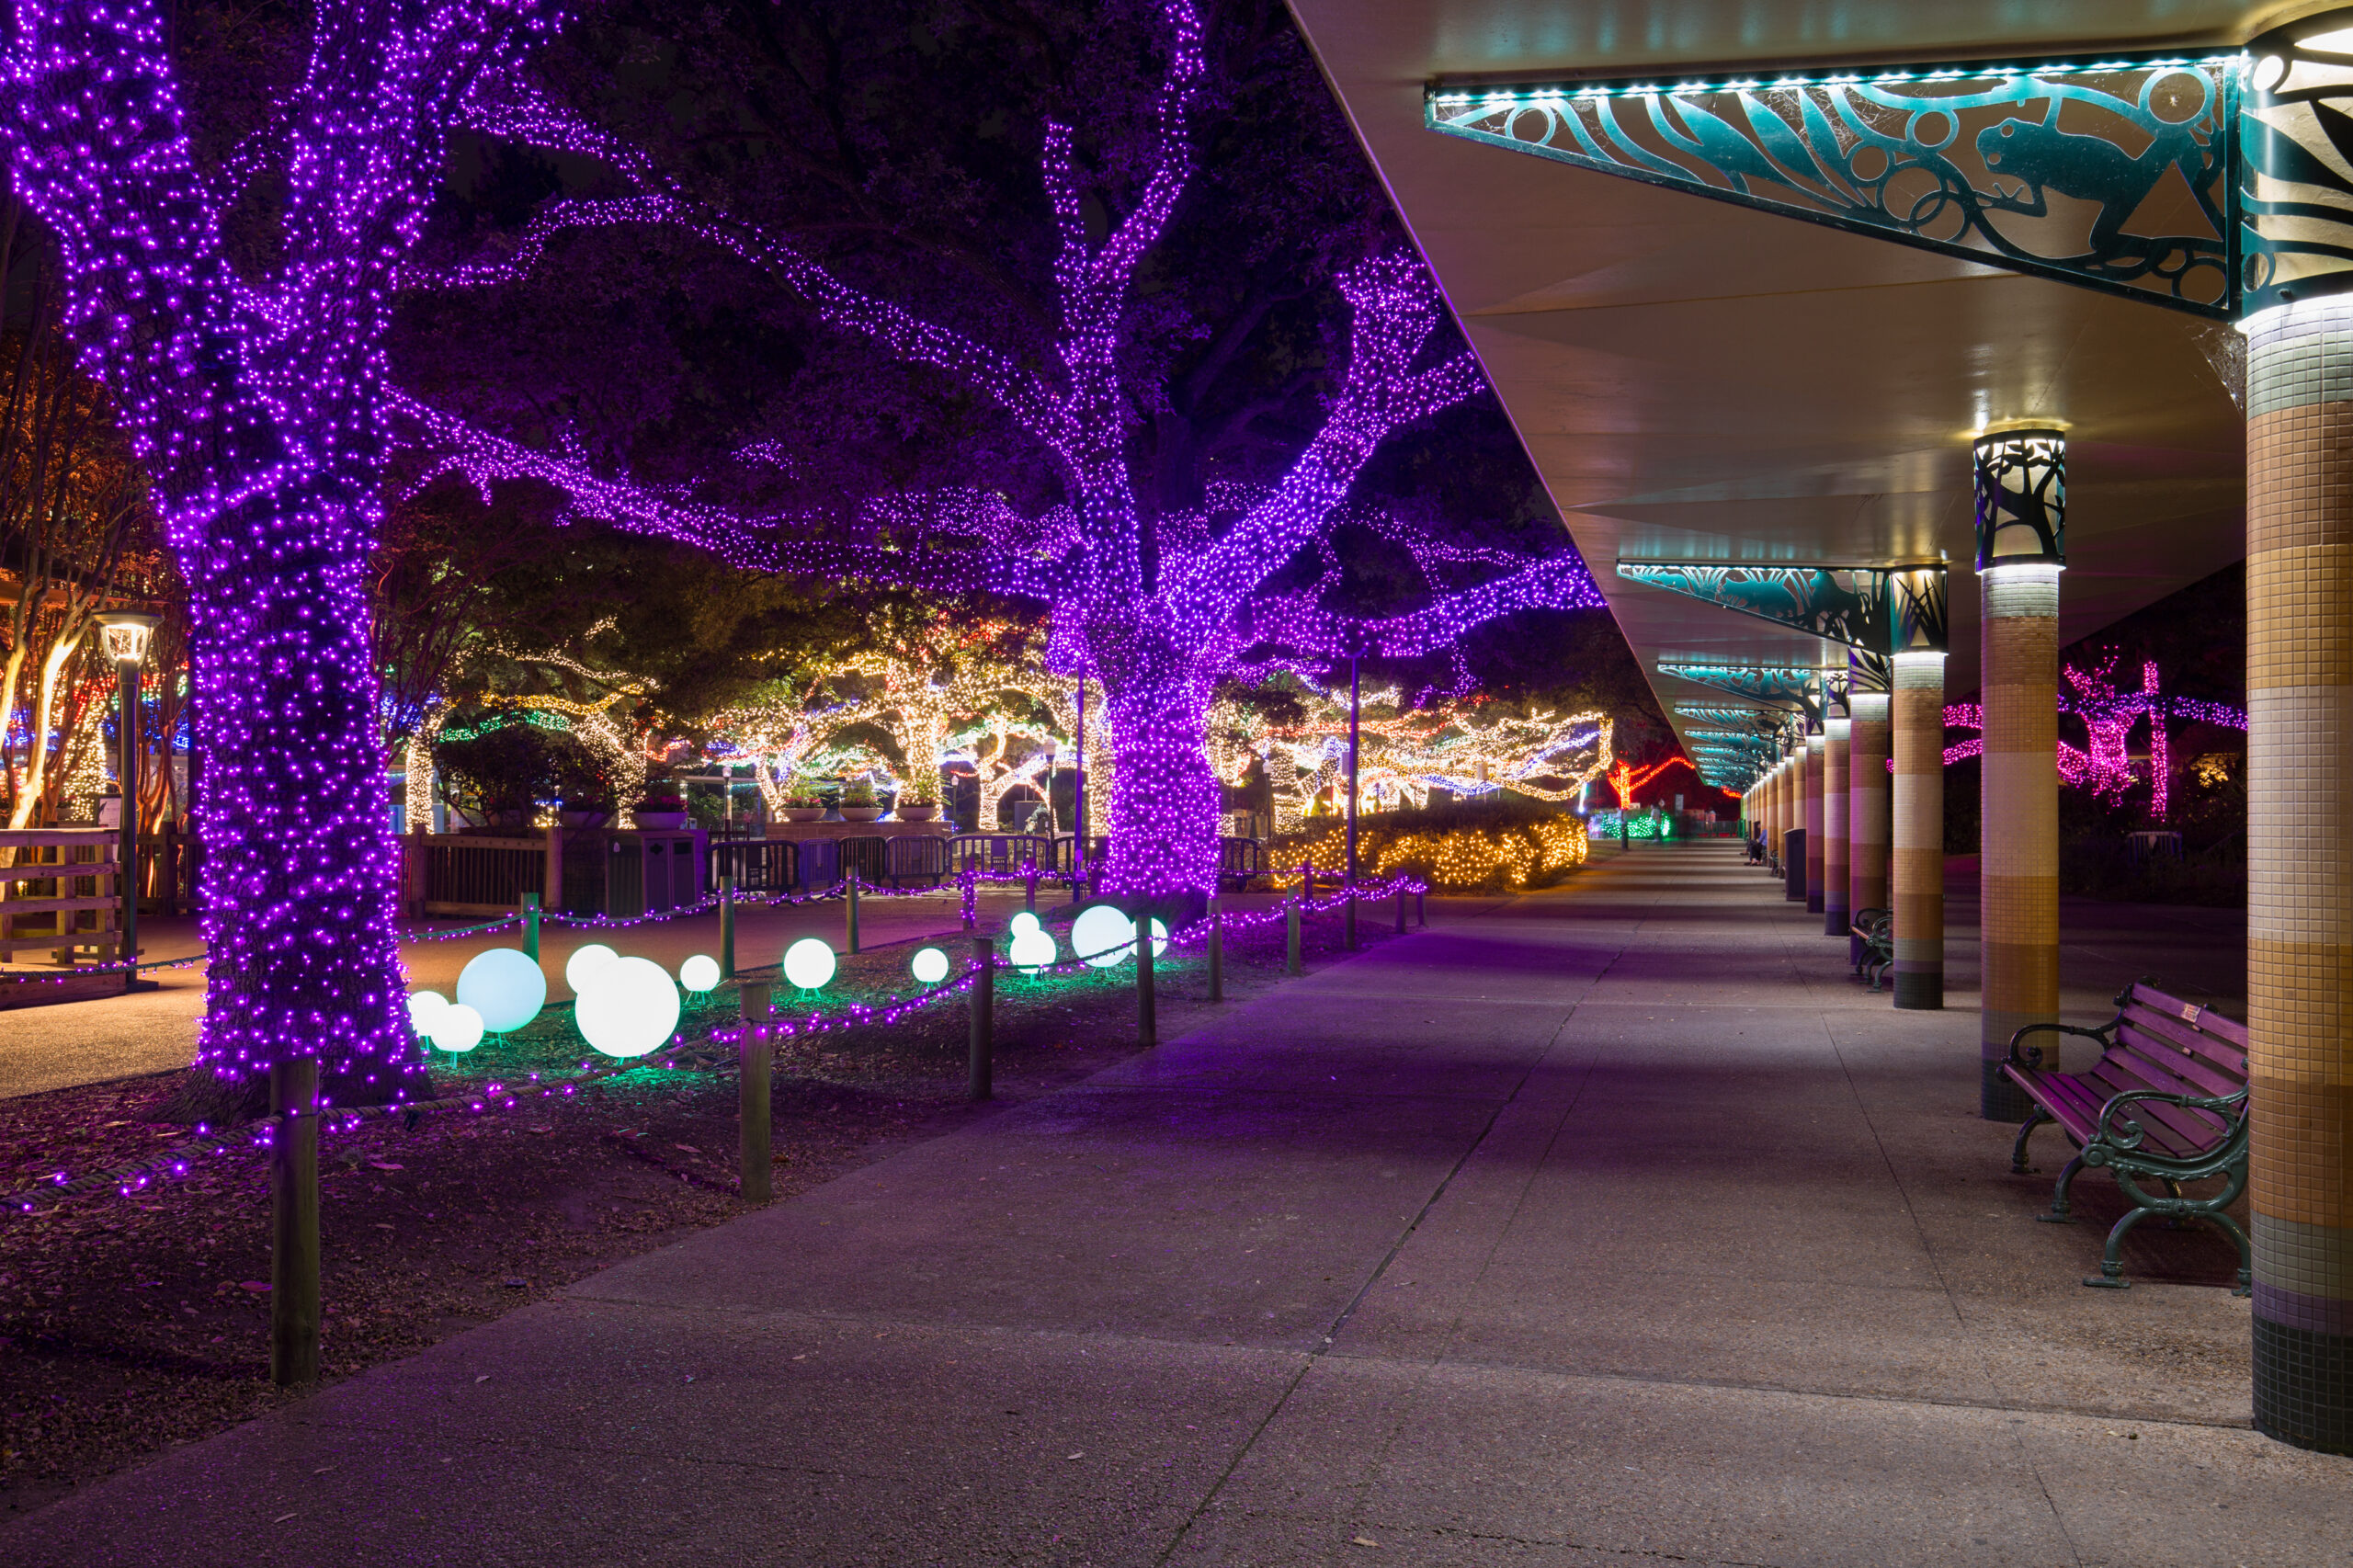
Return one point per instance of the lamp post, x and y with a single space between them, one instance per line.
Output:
126 633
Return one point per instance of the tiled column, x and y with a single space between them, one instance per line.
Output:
2021 549
1816 771
1916 824
1834 917
1793 807
2300 865
1867 807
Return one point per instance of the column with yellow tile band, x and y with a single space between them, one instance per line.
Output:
1866 805
1916 822
1834 917
1816 774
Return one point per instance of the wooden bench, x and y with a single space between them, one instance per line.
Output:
1874 934
2165 1103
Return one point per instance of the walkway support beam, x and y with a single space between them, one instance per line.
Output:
2299 866
1817 770
2021 487
1916 715
1835 919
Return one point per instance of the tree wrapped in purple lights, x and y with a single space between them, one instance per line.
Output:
1157 603
2104 765
251 380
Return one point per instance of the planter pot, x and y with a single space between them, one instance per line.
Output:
917 813
860 813
662 821
802 814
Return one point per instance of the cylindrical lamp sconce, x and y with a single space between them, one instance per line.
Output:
2021 492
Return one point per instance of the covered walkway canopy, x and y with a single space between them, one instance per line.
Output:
1807 311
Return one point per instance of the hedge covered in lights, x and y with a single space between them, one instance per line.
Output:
1459 848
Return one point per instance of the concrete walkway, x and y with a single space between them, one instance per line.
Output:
1608 1225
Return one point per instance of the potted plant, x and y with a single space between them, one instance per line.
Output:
917 803
801 806
858 803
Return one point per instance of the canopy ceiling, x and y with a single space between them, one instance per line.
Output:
1696 381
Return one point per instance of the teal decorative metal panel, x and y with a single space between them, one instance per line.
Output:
1842 604
2112 172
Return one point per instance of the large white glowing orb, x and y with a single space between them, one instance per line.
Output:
631 1007
1032 949
505 986
809 963
1025 920
457 1027
581 968
699 973
1100 935
423 1006
930 966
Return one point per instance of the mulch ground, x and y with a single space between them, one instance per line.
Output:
132 1325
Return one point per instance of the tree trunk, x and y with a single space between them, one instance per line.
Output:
1164 798
301 881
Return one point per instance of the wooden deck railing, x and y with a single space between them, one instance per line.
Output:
61 891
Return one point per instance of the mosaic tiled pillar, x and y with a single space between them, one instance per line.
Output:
1916 860
1917 821
1816 772
2021 549
1793 808
1867 808
2300 865
1834 919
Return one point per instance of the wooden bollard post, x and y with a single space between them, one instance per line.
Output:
752 1055
1348 918
1291 941
532 927
1401 909
849 903
1147 1018
1029 887
294 1223
727 927
1217 950
981 1068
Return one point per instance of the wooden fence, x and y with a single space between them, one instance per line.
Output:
62 891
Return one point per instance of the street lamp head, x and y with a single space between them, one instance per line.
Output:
126 633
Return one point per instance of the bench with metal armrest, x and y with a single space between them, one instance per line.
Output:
2165 1104
1874 943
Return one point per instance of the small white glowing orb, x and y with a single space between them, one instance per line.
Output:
1025 920
423 1006
457 1027
930 966
1032 949
580 968
1101 936
631 1007
699 973
809 963
1159 936
505 986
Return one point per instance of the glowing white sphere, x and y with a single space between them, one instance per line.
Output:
699 973
457 1027
581 968
1032 949
930 966
1100 935
631 1007
1159 936
423 1006
505 986
809 963
1025 920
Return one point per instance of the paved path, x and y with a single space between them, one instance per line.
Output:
1604 1226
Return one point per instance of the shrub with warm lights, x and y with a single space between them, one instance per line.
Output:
1499 846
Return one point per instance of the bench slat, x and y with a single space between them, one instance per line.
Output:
2128 1070
2206 1018
2194 1075
2222 1051
2075 1101
2175 1128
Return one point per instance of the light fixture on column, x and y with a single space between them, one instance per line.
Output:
2021 485
125 635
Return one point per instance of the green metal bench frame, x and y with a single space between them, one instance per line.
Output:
2171 1097
1874 934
